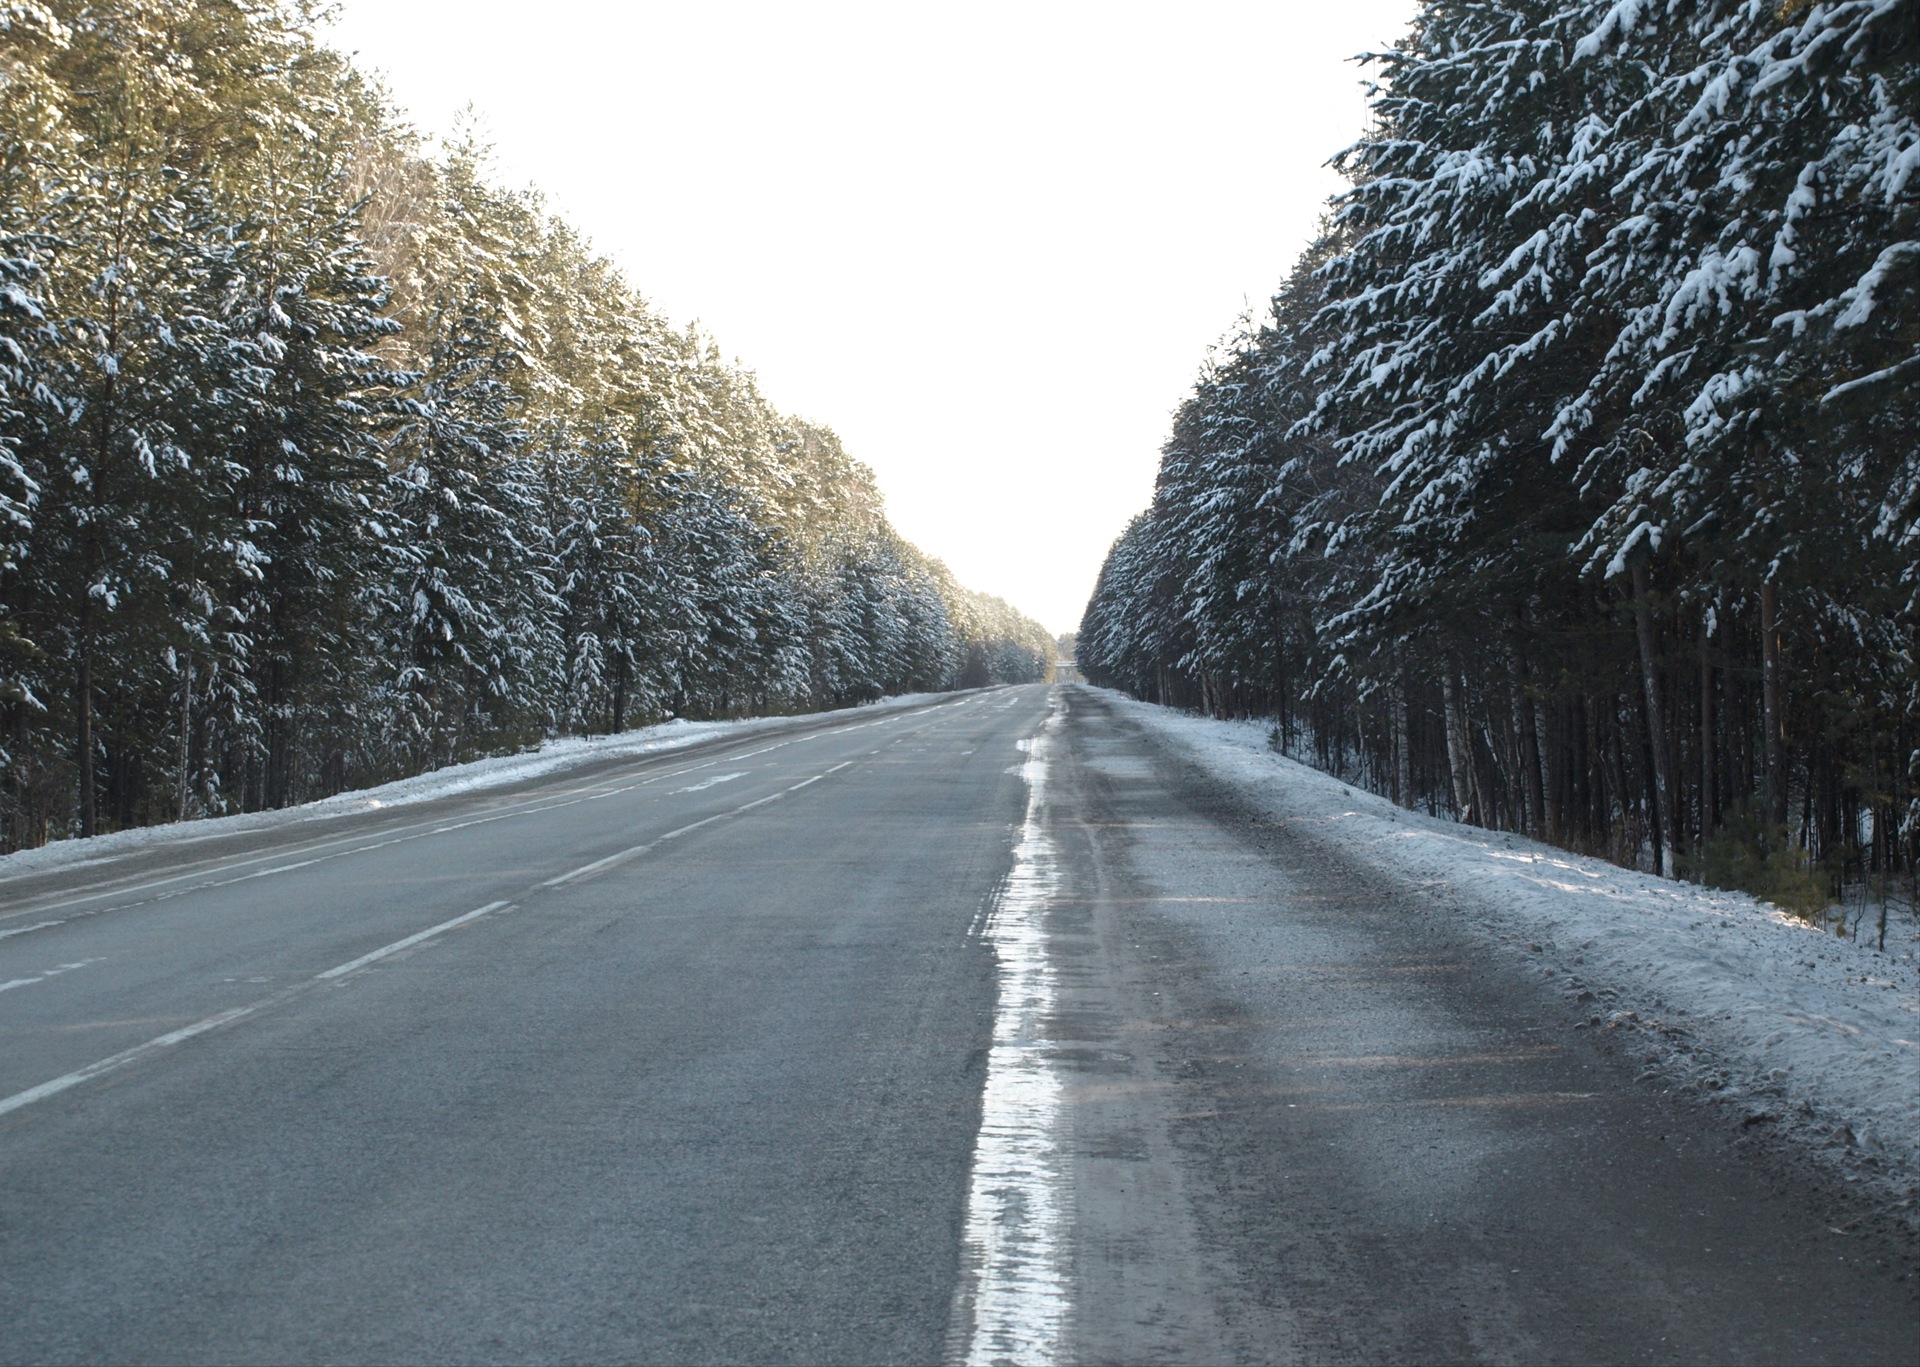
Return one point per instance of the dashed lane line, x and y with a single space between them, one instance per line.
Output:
115 1062
46 974
420 832
161 1043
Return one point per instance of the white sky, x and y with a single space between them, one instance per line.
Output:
989 245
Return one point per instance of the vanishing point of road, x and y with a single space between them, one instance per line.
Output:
979 1029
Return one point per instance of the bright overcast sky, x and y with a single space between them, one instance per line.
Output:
987 244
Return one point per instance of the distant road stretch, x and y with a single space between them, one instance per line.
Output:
978 1031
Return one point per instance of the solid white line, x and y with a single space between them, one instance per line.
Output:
22 930
186 1032
1011 1305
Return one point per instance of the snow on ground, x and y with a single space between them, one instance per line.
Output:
552 757
1807 1034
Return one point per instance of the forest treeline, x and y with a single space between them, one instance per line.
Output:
323 460
1571 484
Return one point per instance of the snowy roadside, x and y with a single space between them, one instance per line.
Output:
550 758
1806 1034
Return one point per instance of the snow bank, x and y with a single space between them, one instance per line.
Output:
1808 1034
550 758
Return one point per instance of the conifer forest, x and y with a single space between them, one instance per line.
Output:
1571 483
323 460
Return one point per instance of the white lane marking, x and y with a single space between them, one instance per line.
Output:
66 1081
532 807
341 970
713 782
843 764
1011 1304
767 749
22 930
631 852
405 835
49 973
635 851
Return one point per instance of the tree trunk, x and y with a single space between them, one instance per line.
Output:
1770 704
1708 765
186 736
83 740
278 783
1527 746
1459 756
1614 747
1402 749
1552 785
1663 814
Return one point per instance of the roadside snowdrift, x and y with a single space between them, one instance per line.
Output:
1803 1032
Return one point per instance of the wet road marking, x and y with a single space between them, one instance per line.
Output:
1012 1302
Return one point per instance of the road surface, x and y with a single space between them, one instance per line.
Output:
975 1031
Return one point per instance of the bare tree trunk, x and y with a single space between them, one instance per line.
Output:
186 736
83 740
1402 749
1527 758
1459 755
1708 764
1614 747
1663 814
1770 703
1553 811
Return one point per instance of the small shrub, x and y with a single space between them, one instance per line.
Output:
1794 884
1745 856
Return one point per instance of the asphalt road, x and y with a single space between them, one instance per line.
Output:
974 1030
